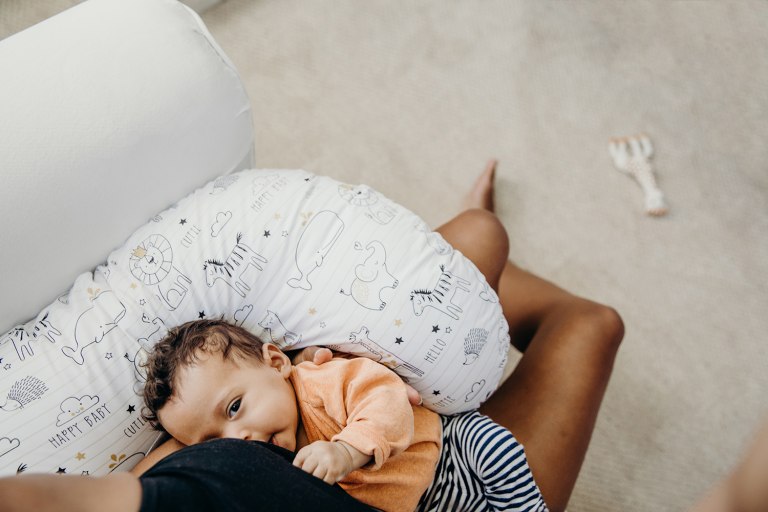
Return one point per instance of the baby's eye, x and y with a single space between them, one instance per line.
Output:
233 408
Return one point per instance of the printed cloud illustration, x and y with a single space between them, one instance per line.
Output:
221 220
476 387
6 445
73 407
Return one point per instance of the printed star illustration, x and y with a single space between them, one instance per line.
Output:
201 314
312 311
7 366
80 456
277 216
435 328
285 233
131 408
61 471
133 286
398 322
183 221
448 330
267 234
435 392
108 355
398 341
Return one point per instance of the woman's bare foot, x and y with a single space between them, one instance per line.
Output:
481 195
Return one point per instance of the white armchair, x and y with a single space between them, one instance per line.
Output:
109 112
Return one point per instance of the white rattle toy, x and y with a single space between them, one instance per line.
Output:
631 155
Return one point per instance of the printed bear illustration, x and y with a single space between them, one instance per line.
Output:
278 333
156 329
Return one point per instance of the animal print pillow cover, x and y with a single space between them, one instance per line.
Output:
296 258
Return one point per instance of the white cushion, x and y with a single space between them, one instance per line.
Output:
296 258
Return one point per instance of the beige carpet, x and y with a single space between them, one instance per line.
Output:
412 98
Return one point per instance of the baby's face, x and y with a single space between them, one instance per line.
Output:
234 398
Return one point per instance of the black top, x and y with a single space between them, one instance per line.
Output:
236 475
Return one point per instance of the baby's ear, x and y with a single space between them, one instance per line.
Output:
275 358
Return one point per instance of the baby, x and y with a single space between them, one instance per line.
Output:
349 420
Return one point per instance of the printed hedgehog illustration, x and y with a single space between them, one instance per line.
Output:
474 343
23 392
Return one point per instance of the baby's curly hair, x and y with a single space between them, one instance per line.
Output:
181 347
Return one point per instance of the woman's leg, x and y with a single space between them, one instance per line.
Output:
551 400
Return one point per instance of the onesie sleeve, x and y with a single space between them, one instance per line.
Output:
379 418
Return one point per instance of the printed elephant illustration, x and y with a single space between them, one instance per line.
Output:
314 244
95 323
372 277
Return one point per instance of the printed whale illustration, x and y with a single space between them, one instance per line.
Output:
95 323
314 243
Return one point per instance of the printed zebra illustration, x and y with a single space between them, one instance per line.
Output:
23 392
22 339
441 296
231 271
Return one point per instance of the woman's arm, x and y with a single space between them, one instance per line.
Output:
119 492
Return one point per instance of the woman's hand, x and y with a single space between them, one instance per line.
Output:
321 355
330 461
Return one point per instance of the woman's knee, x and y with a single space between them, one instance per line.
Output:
483 226
482 238
604 323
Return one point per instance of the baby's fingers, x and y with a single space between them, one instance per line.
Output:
323 474
305 461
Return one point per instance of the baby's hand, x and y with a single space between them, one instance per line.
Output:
329 461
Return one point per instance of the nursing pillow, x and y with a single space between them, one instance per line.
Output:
296 258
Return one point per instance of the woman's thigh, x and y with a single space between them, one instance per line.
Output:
551 400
